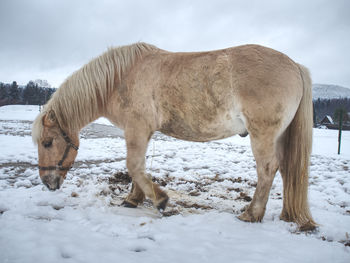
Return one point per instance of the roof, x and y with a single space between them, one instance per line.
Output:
327 119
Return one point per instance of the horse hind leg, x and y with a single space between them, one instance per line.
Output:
137 140
266 165
280 151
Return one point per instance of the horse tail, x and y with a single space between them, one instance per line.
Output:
294 165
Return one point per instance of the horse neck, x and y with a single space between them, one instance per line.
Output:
86 94
76 108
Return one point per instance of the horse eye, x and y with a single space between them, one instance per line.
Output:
47 144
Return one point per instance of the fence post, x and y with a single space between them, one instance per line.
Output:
340 128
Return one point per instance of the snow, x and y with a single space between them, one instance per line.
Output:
103 121
19 112
326 143
83 222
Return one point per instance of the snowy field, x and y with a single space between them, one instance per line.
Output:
208 183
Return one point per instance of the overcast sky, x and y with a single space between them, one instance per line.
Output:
47 39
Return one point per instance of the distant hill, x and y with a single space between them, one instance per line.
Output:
326 91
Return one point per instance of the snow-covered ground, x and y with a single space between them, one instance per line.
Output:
208 183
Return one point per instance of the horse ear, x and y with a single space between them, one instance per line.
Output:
49 119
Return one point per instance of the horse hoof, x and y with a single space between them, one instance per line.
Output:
243 217
128 204
284 217
308 227
162 205
248 217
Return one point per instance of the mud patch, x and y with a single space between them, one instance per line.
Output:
160 181
120 178
193 205
172 212
244 196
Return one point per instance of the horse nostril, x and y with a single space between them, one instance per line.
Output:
58 182
45 180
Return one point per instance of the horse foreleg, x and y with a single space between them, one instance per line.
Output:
137 141
266 165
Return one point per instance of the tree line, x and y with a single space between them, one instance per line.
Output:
30 94
331 107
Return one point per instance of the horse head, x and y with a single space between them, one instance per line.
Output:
57 149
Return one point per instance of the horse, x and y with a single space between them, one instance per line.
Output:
193 96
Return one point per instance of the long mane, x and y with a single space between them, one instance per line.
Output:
81 96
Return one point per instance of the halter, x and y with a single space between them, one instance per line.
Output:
65 154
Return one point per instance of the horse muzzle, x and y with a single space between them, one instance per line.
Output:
53 181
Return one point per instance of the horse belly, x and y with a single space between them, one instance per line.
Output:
226 126
201 129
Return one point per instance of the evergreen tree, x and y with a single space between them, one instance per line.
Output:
29 93
3 91
328 107
3 94
314 114
341 111
14 93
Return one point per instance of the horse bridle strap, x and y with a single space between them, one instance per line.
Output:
65 154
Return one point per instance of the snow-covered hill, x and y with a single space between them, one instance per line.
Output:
327 91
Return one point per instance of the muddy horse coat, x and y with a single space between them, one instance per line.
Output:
194 96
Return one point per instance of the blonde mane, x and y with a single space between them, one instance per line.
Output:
81 96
